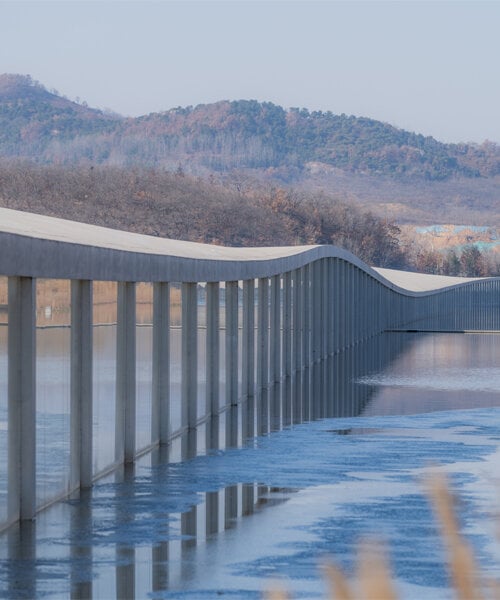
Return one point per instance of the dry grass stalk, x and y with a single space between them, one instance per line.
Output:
276 594
493 588
462 566
374 577
338 584
374 580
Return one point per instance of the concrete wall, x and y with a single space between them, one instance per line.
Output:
273 321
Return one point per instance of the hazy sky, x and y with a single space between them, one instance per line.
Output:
430 67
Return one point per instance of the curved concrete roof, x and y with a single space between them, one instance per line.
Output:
61 230
35 245
422 282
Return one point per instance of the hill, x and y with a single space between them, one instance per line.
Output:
34 120
227 135
400 176
249 134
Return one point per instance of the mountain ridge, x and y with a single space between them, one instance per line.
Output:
45 127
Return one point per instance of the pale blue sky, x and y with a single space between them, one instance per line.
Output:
430 67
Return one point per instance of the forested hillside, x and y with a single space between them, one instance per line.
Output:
33 119
188 208
227 135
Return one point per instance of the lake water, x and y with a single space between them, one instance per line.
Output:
229 522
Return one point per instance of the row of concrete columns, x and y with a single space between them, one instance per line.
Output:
292 324
217 511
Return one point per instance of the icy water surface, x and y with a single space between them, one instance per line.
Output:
225 523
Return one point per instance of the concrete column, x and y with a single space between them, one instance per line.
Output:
22 398
275 341
342 304
317 326
159 566
363 304
380 316
189 444
248 358
336 304
287 348
370 306
160 414
343 316
248 499
230 506
330 308
231 363
80 552
297 293
324 307
353 303
306 343
189 367
336 373
376 296
387 300
212 513
81 384
213 363
263 356
350 305
496 308
357 285
125 374
189 529
330 341
275 353
324 275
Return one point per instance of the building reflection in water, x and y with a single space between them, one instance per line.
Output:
107 552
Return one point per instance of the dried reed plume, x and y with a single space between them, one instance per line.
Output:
373 579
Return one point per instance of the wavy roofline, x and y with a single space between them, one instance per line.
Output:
35 245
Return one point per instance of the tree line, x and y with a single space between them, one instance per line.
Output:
467 262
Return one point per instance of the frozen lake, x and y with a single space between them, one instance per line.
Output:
228 522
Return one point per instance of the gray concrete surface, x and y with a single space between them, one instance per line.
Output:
39 246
